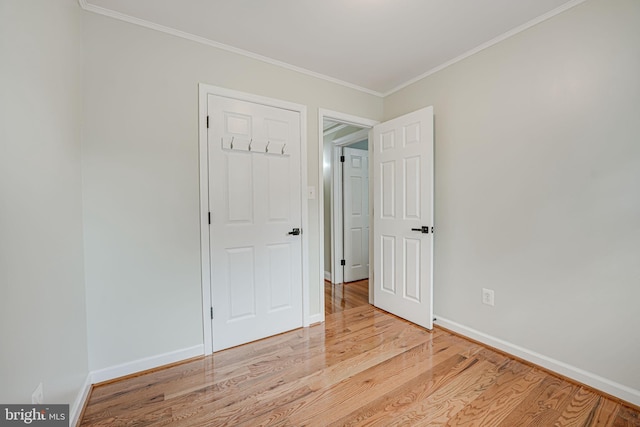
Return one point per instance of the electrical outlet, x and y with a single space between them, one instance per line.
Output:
487 296
37 397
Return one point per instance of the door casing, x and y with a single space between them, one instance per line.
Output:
204 91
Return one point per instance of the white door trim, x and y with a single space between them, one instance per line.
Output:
204 90
356 121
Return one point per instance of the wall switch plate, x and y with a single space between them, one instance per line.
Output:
488 296
37 397
311 193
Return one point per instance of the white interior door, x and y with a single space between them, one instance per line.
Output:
403 216
255 204
356 213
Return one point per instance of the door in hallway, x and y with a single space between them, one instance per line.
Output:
356 213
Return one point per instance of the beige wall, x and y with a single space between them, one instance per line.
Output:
538 188
140 170
42 300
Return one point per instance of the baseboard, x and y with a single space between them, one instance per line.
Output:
75 411
597 382
124 369
316 318
327 275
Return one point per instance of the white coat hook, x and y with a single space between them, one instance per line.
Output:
282 152
232 138
266 149
250 142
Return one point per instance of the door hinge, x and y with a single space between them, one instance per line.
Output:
341 159
343 262
209 217
211 313
207 122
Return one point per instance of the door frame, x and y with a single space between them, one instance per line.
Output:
204 90
356 121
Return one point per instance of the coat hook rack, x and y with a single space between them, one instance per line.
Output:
251 146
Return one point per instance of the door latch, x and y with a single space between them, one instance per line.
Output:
423 229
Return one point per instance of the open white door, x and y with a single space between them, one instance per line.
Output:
403 216
356 213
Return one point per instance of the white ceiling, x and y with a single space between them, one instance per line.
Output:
375 45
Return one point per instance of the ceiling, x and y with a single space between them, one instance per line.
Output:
377 46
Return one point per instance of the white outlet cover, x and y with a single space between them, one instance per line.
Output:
488 296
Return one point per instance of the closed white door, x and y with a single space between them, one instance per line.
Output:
356 213
255 205
403 216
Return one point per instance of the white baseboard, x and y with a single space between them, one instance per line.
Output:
76 408
140 365
327 275
612 388
316 318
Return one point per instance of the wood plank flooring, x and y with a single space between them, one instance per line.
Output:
361 367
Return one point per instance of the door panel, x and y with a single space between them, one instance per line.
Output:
239 185
279 193
388 264
411 280
280 274
356 214
388 195
242 296
403 188
255 200
412 194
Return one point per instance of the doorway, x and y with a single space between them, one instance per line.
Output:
402 166
345 185
345 243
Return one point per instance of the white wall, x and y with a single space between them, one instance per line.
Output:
140 171
42 300
538 188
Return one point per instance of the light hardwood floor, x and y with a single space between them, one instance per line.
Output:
361 367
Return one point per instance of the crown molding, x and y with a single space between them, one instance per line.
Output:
351 138
488 44
202 40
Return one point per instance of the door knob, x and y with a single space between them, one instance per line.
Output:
423 230
294 232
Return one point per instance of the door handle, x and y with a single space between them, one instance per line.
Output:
423 229
294 232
